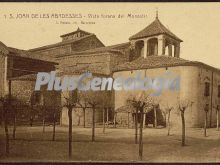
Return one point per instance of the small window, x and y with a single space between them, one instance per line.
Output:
218 90
207 86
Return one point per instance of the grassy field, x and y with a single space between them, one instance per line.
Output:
32 145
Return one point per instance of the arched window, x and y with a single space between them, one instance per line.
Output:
166 50
153 47
139 48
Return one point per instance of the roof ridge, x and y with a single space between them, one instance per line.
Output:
4 49
78 29
154 28
149 63
104 48
160 24
61 42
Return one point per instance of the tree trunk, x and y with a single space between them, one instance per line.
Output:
54 125
217 120
70 131
115 114
205 125
93 124
128 120
84 118
168 123
136 126
14 123
144 120
103 120
5 111
165 119
183 128
31 115
43 123
31 119
155 117
2 117
107 113
141 136
78 120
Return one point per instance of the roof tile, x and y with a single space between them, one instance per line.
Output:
155 28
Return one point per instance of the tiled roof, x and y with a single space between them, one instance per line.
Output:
112 48
158 62
121 46
75 69
78 30
10 51
3 48
62 43
27 54
155 28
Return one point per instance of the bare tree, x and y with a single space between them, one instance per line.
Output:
103 120
56 110
95 100
106 104
155 103
115 116
136 126
2 114
5 101
217 115
70 104
140 102
43 108
166 109
31 105
217 107
9 103
206 109
54 123
79 114
15 104
83 104
182 106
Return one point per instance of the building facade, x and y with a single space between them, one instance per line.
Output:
154 51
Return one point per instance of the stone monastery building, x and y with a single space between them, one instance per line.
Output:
153 51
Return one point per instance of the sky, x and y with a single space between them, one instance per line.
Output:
197 24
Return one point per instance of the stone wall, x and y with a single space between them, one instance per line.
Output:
23 92
2 74
78 118
191 88
102 99
119 58
89 43
206 75
99 62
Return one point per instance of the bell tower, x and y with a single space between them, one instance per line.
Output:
156 39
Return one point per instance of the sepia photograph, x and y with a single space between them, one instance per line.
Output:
109 82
